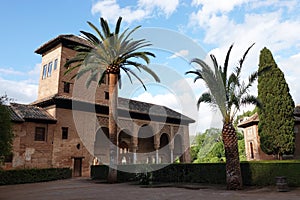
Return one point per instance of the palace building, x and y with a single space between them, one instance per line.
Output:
252 140
67 126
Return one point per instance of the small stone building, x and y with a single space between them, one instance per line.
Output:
67 126
252 141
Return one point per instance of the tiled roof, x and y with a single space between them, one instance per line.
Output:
13 115
153 109
68 38
251 120
126 105
21 112
297 110
254 119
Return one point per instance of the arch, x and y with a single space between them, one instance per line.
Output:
101 145
178 151
145 143
164 149
164 140
124 143
124 137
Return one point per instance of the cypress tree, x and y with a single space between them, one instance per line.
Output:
276 119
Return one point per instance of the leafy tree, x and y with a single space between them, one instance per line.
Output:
276 119
228 94
111 52
206 142
6 135
209 148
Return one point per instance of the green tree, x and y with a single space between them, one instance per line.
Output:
209 148
276 119
108 54
6 135
228 94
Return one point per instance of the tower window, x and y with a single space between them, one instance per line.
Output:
66 87
44 71
64 133
103 81
55 64
67 59
106 95
40 134
49 69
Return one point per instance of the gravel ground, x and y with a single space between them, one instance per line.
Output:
84 188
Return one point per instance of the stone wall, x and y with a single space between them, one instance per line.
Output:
28 153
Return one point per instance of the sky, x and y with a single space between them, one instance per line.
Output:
179 31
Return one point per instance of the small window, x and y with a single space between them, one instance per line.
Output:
8 158
44 71
103 81
64 133
67 59
66 87
106 95
40 134
49 69
55 64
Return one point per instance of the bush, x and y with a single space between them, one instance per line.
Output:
260 173
33 175
265 172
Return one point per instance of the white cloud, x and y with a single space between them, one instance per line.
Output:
290 68
169 100
181 53
18 85
10 71
111 9
20 91
167 7
271 24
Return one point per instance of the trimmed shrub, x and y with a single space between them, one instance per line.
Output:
265 172
260 173
8 177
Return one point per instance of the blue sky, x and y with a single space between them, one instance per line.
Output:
195 25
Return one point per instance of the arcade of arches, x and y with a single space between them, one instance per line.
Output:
145 143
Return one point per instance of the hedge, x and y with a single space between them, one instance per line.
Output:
254 173
8 177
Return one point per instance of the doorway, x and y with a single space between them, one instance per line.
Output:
77 169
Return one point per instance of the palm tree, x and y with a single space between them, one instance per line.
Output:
228 94
107 53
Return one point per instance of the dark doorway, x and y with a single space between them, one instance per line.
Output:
77 167
251 151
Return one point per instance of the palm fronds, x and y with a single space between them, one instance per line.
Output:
227 93
109 49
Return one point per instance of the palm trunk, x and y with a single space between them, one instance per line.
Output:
233 168
112 126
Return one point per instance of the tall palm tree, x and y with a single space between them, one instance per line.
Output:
107 53
228 94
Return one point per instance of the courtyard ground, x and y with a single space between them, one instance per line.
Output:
85 189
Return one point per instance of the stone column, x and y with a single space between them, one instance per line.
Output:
134 141
171 144
156 147
134 148
186 144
